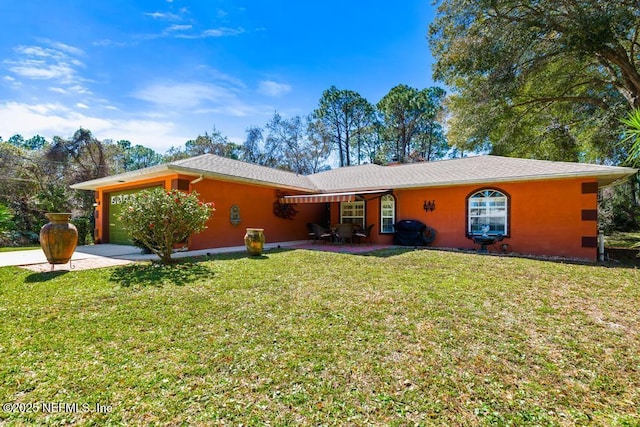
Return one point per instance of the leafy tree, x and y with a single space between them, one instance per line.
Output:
85 153
343 114
545 79
128 157
79 158
290 145
214 143
318 145
409 118
31 185
16 140
286 145
6 218
280 134
632 135
621 205
252 147
160 219
37 142
175 153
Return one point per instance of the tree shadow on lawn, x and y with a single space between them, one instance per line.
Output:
156 274
44 276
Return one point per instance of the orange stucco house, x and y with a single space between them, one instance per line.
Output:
540 207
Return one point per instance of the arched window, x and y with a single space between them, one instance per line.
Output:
488 213
387 213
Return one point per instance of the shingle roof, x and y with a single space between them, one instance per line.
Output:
222 167
211 166
469 170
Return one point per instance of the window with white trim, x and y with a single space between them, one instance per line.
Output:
387 213
488 212
352 212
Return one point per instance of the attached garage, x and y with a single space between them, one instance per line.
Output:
116 200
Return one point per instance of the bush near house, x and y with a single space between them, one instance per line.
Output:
84 227
160 219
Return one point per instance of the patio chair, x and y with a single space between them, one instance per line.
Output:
311 234
344 232
321 233
364 234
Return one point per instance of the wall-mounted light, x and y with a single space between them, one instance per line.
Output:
429 205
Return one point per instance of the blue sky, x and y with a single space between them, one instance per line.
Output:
159 73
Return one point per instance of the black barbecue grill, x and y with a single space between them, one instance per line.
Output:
410 232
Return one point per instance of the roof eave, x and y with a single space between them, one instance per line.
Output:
605 179
149 172
234 178
160 170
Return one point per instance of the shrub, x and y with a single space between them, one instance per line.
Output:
160 219
619 210
6 218
83 225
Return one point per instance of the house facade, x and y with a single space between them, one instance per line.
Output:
539 207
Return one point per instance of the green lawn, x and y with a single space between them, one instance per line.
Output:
18 248
309 338
623 240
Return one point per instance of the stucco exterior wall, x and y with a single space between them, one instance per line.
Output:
546 217
255 204
550 217
256 211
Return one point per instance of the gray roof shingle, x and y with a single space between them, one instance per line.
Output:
236 170
468 170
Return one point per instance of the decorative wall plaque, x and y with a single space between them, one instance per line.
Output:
234 215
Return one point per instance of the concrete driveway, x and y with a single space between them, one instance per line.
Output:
84 257
103 255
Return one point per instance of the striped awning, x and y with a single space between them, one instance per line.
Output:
328 197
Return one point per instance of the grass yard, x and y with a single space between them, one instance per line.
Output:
18 248
623 240
399 337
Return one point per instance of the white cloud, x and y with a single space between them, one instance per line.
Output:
40 70
183 95
54 119
224 97
222 32
166 16
72 50
223 78
83 106
209 33
179 28
57 62
80 90
271 88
